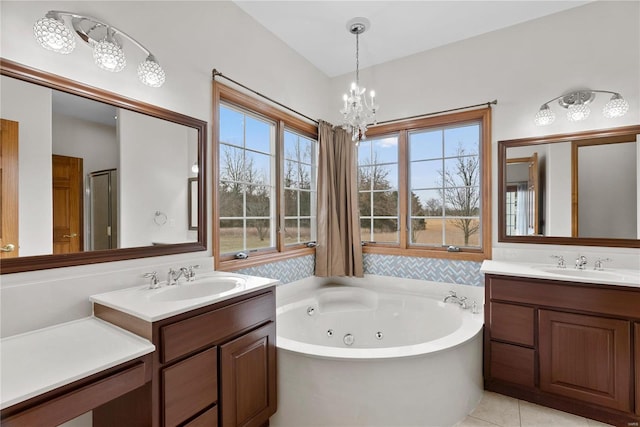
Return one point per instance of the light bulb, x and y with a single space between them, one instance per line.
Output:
616 107
195 168
544 116
578 112
109 56
53 35
151 73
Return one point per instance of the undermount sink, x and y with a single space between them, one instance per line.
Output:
591 274
204 287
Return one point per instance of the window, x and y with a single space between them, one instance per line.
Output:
424 187
266 182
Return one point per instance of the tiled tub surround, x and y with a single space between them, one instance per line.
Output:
428 351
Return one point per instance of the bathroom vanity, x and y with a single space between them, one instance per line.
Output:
561 341
215 362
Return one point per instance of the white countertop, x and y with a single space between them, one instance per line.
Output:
42 360
148 304
608 276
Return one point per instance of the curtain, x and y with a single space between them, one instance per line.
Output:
522 217
339 251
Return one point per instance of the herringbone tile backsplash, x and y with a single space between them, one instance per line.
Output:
437 270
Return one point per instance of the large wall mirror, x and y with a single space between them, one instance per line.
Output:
571 189
89 176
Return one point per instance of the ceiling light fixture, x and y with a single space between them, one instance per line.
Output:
578 109
53 34
358 111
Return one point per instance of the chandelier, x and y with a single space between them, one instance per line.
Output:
577 107
358 111
53 34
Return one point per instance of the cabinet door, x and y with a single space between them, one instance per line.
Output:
248 378
586 358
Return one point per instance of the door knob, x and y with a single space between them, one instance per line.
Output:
70 235
8 248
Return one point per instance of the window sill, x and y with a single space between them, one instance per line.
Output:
428 253
233 264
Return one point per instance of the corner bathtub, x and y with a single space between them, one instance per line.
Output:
377 351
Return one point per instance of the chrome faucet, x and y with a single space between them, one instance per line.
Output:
153 279
461 301
189 272
174 275
452 296
561 261
581 262
598 264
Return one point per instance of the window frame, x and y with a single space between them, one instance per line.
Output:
281 251
402 130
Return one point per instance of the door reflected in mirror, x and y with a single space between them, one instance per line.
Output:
580 188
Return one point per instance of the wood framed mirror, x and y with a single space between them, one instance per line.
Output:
587 189
92 168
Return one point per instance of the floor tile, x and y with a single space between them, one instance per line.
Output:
532 415
594 423
498 409
474 422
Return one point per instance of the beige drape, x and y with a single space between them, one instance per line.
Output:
339 251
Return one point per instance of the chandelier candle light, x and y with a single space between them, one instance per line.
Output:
577 108
53 34
358 111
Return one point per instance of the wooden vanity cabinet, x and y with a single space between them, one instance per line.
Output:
214 366
570 346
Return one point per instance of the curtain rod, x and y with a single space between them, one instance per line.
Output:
219 74
488 104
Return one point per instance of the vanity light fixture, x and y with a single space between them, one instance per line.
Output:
195 168
358 111
53 34
578 109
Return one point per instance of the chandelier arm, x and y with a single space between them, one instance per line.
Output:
59 13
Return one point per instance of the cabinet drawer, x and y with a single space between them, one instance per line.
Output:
512 363
512 323
207 419
190 386
637 366
209 328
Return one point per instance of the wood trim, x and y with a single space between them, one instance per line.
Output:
403 188
12 69
253 261
611 134
124 320
76 401
574 189
424 253
637 365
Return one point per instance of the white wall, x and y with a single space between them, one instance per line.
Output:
30 106
558 206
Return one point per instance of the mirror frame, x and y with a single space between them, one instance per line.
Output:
554 240
40 262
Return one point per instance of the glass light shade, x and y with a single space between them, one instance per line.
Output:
151 73
195 168
578 112
544 116
616 107
53 35
109 56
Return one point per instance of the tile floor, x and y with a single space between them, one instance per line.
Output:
503 411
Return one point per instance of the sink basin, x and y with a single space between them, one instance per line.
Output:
592 274
203 287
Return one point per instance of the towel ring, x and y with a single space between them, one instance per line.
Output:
160 218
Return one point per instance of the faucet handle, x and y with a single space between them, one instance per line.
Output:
452 293
153 279
561 261
597 265
191 275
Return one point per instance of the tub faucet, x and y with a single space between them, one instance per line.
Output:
452 296
581 262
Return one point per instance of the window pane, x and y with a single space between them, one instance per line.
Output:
307 150
258 201
305 176
232 164
364 153
385 203
462 140
462 201
231 126
291 231
426 203
365 229
425 174
364 178
425 145
385 230
290 174
305 231
291 203
364 203
385 150
257 168
231 199
378 177
463 232
306 203
290 145
259 233
258 135
462 171
426 231
231 236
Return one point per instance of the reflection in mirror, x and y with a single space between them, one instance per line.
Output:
91 172
577 188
